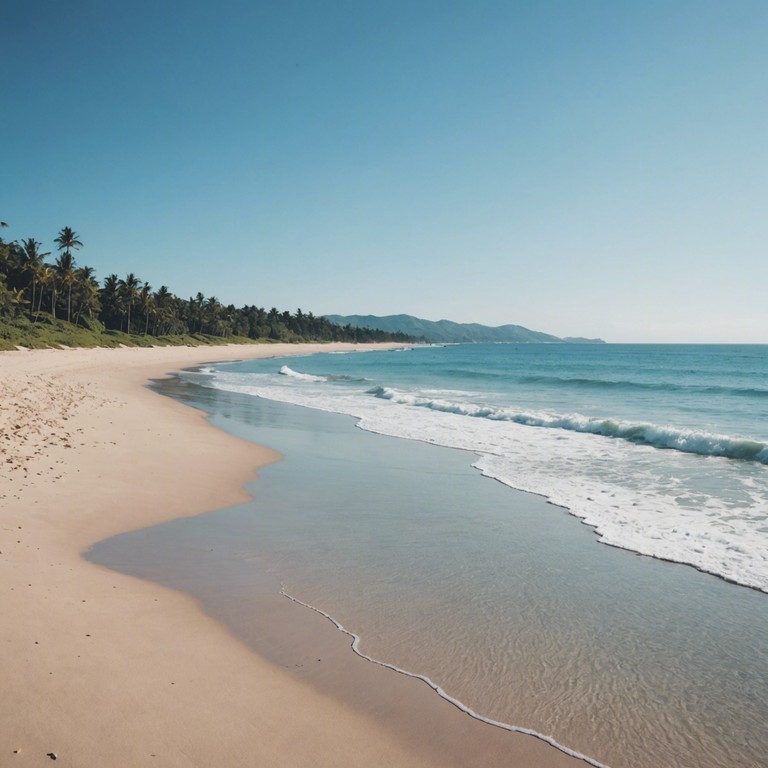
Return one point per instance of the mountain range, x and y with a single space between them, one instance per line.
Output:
446 331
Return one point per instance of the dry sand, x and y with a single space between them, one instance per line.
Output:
101 669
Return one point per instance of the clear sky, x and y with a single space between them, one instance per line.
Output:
580 167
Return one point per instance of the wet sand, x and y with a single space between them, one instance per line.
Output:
100 668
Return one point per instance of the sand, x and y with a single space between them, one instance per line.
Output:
102 669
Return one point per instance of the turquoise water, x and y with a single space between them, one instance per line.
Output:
508 603
664 449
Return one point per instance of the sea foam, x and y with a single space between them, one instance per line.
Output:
286 371
443 694
658 436
656 502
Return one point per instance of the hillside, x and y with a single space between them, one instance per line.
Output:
446 331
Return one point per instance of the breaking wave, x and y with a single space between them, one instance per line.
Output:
658 436
286 371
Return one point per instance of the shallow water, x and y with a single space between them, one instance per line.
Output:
663 448
507 602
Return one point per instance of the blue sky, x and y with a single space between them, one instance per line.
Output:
577 167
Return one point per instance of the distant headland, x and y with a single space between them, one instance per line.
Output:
448 332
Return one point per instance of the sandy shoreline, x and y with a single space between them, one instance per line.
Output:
103 669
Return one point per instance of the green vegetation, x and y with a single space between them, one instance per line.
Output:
45 304
448 332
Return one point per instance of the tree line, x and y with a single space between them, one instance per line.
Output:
33 285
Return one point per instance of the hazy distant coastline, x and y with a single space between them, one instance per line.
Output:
447 331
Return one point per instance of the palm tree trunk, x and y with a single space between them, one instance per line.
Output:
39 304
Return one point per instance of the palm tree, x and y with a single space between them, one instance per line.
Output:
67 240
275 323
146 302
86 292
129 288
10 299
65 271
197 305
32 262
111 302
211 311
162 301
11 264
46 277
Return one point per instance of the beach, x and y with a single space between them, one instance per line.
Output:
502 599
100 668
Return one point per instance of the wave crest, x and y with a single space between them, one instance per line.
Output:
655 435
617 384
286 371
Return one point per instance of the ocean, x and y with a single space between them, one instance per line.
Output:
385 515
